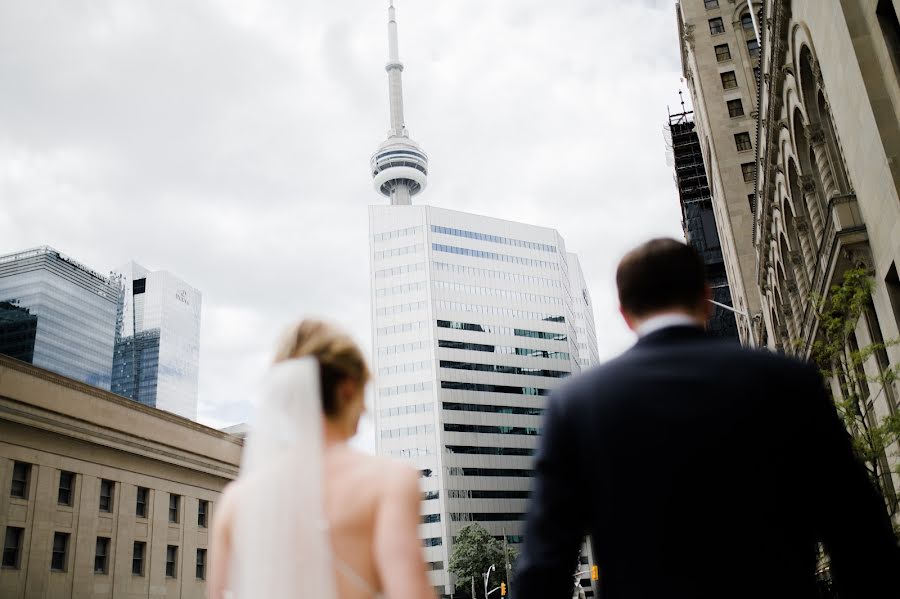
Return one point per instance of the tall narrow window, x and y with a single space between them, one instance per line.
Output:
716 26
723 53
60 548
20 478
890 28
202 510
137 558
101 556
66 488
729 80
12 546
201 564
748 169
106 495
735 108
171 561
753 47
174 504
747 21
140 506
742 141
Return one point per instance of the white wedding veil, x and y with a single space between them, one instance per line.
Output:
281 544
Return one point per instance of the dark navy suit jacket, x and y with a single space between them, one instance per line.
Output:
700 470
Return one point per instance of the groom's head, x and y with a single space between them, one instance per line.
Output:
662 276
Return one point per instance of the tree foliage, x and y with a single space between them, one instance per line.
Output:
474 552
855 391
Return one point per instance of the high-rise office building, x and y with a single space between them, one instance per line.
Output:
157 348
720 63
475 321
697 217
58 314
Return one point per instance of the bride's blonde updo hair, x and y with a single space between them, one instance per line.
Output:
338 355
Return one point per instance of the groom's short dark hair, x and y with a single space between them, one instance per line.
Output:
660 274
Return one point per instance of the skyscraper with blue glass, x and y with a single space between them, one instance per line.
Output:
58 314
157 341
475 321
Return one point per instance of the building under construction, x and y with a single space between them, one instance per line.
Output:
697 217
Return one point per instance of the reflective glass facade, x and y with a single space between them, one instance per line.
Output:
471 334
157 353
58 314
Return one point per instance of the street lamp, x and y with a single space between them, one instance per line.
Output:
487 576
739 313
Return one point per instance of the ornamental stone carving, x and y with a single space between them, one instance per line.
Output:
816 134
808 184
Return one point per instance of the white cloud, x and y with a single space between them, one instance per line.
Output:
228 141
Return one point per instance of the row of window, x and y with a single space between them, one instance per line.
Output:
431 518
402 389
408 367
493 472
401 289
498 330
396 234
717 25
473 494
494 238
473 407
407 431
66 493
404 327
500 369
399 270
504 293
420 408
401 308
452 249
482 450
507 350
59 556
458 386
452 427
496 274
417 248
723 51
432 542
413 452
486 517
498 311
402 348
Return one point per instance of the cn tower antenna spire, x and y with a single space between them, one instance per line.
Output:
399 166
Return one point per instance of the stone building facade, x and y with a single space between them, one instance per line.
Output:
720 57
101 496
828 190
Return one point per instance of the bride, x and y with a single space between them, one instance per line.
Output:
309 517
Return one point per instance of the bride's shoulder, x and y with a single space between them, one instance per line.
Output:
389 472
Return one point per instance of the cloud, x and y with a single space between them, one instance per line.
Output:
228 142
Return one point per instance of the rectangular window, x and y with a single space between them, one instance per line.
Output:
137 558
747 21
202 510
140 506
12 546
735 108
171 560
716 26
20 478
711 4
174 504
139 286
742 141
60 547
66 488
748 169
101 556
201 564
729 80
106 495
723 53
753 47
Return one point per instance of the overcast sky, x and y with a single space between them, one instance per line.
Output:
228 141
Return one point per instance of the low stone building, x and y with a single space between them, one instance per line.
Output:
101 496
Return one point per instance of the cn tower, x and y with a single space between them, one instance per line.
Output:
399 166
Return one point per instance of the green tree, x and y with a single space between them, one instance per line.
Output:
474 552
854 391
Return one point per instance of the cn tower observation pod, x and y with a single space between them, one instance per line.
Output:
399 162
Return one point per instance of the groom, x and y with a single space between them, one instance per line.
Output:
700 469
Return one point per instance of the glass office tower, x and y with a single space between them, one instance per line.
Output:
157 349
58 314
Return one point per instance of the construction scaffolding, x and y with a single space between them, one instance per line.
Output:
697 215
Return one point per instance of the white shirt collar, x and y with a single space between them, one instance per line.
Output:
664 321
